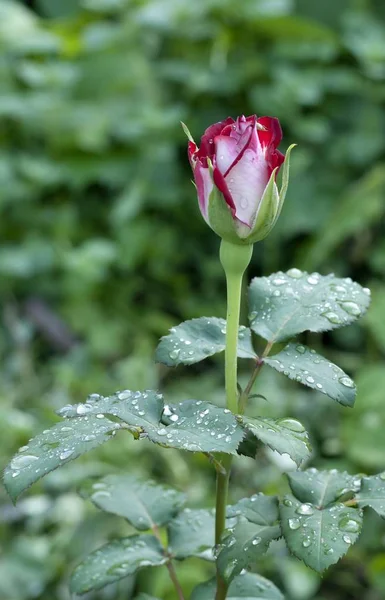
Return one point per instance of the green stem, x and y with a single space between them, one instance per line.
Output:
235 260
246 392
169 564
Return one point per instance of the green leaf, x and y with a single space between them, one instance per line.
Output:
319 537
115 560
143 503
200 426
286 436
304 365
191 425
258 509
243 543
285 304
140 410
53 448
247 587
192 533
321 488
373 493
195 340
249 446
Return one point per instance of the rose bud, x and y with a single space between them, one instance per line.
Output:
235 171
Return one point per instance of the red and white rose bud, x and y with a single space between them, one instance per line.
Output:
235 171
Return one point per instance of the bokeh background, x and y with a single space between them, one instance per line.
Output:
103 248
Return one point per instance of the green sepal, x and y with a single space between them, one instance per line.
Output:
187 132
285 180
267 211
220 218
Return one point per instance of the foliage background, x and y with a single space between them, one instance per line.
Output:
103 248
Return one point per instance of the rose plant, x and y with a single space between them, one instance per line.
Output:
235 171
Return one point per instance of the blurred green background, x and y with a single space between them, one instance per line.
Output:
103 248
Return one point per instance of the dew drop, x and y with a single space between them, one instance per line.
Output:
101 495
313 279
351 308
66 454
167 411
244 202
23 461
83 409
295 273
347 539
349 525
332 317
310 379
305 509
256 541
294 524
174 353
161 431
301 349
346 381
292 425
118 570
306 543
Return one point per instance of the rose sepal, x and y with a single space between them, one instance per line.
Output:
271 203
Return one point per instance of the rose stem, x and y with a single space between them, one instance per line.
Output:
234 259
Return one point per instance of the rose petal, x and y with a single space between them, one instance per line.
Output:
246 182
221 184
191 150
273 132
226 151
249 141
276 160
204 185
229 149
207 148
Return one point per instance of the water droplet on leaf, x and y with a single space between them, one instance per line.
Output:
351 308
295 273
348 524
23 461
294 524
305 509
347 382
